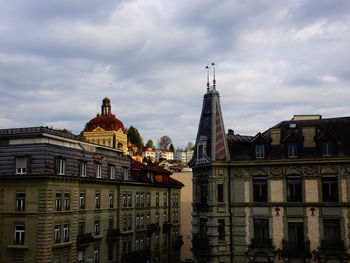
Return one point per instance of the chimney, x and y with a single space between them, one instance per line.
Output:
275 136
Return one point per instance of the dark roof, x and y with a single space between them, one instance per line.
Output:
239 138
108 122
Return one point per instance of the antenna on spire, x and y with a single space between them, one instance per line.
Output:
214 79
207 67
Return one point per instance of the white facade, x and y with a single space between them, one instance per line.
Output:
183 155
165 154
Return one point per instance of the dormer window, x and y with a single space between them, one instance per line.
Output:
200 151
327 148
292 150
260 151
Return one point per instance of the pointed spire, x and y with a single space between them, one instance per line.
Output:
214 79
207 67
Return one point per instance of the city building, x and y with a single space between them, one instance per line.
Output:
279 196
106 129
149 153
165 154
183 155
66 200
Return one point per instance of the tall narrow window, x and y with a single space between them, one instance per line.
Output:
21 165
82 201
292 150
203 192
261 232
61 166
137 199
125 204
142 199
96 255
81 228
58 202
200 151
97 228
125 174
98 170
97 200
82 169
260 189
111 172
296 233
111 200
259 151
327 148
129 200
294 189
66 232
66 201
57 233
331 229
221 229
157 199
110 224
203 227
19 235
220 193
129 222
330 189
20 202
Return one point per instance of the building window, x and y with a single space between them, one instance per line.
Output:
19 235
137 222
111 200
203 228
111 172
82 201
142 222
82 169
125 204
259 151
110 224
221 229
142 199
129 200
294 193
96 255
137 199
66 203
98 171
21 165
165 199
200 151
157 218
148 201
61 166
157 199
81 228
57 233
296 233
327 148
125 174
137 246
261 231
292 150
66 232
129 222
20 202
260 189
220 193
58 202
97 200
331 229
329 189
97 228
203 192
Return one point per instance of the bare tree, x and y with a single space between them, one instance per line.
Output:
164 142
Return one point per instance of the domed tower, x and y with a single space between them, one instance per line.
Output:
105 129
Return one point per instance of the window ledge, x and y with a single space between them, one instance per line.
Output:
22 247
98 237
63 244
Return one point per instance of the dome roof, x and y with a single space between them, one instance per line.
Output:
107 122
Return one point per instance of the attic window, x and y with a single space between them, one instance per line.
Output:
292 150
327 148
259 151
292 125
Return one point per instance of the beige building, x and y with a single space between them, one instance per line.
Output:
64 200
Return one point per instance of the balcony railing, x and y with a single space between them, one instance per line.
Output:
296 248
113 233
332 244
261 243
84 239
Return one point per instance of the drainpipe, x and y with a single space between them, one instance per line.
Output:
230 212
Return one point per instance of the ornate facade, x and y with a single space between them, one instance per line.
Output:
280 196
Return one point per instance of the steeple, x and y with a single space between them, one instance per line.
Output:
106 106
211 142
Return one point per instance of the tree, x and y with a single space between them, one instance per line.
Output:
149 143
171 148
164 142
190 146
134 136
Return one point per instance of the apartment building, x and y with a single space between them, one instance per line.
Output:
67 200
279 196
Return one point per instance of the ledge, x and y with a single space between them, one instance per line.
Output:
63 244
22 247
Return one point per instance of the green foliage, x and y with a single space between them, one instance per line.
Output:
134 136
190 146
149 143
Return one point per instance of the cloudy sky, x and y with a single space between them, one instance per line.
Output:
60 58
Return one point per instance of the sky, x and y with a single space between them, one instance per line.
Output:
60 58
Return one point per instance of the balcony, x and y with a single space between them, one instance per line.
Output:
200 244
332 244
166 227
84 239
299 249
113 234
261 243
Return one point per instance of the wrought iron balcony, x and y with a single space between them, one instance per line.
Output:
261 243
84 239
332 244
113 233
296 248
